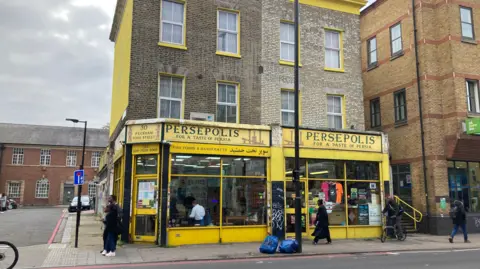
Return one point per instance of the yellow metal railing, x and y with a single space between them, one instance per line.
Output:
416 215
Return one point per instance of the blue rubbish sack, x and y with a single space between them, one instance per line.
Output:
288 246
269 245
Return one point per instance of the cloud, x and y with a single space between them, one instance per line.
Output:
56 61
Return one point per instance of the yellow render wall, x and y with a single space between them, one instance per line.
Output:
121 67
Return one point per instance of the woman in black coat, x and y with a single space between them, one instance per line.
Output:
321 225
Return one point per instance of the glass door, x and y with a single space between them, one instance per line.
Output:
145 209
290 208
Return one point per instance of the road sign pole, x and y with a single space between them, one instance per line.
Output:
79 199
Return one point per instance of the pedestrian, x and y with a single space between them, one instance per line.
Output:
111 230
111 201
197 214
394 217
322 231
459 217
3 203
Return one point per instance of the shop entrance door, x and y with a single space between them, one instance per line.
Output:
145 210
402 182
290 209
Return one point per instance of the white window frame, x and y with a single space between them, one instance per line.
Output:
162 21
283 110
18 156
237 32
475 99
287 42
470 24
17 187
226 103
71 158
96 156
337 50
45 157
160 97
92 186
335 113
42 189
400 51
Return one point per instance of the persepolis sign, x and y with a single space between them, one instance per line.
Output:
334 140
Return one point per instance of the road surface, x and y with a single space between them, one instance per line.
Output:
436 260
28 227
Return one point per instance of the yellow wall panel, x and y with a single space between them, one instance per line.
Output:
243 234
193 236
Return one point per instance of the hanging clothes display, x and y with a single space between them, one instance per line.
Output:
332 192
325 189
339 188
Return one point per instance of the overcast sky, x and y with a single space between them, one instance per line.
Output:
56 61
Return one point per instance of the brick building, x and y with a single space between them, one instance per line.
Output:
448 74
232 61
37 162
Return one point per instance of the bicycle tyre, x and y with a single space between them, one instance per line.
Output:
383 237
404 235
15 250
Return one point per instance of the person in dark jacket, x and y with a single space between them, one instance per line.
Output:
459 217
393 217
111 221
321 225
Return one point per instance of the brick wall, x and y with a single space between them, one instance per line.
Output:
445 62
57 173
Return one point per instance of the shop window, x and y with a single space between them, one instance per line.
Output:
290 166
459 187
326 169
332 193
364 203
473 180
358 170
243 166
291 223
146 194
184 190
146 164
244 201
195 165
290 194
145 225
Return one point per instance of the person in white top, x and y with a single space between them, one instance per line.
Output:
197 214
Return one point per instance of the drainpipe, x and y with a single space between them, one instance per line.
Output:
420 108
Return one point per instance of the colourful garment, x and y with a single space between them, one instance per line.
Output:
325 188
339 193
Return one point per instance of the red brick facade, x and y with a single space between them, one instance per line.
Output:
59 175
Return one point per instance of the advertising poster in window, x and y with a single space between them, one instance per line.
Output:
146 194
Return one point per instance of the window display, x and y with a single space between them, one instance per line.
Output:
290 166
364 203
146 164
244 201
244 166
147 194
290 194
357 170
332 192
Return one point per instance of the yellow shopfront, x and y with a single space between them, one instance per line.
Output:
346 170
224 169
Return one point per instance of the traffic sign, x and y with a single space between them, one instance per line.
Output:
79 177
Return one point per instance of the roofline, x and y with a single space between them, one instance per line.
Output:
9 145
199 123
371 7
117 19
51 126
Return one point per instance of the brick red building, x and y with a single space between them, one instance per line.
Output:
447 80
37 162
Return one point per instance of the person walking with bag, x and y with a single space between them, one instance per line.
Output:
111 230
321 225
459 217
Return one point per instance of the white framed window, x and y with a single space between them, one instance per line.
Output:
45 157
173 22
96 155
92 189
42 188
396 39
287 42
288 108
228 28
333 49
227 102
466 17
14 189
170 97
71 158
473 97
17 156
372 52
335 111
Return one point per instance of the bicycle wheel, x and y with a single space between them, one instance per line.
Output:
404 235
8 255
383 237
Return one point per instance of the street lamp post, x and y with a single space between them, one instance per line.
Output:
79 201
296 173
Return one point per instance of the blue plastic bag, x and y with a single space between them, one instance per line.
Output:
288 246
269 245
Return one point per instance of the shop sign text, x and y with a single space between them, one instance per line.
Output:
216 135
333 140
144 133
190 148
145 149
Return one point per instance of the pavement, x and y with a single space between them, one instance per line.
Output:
437 260
62 254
